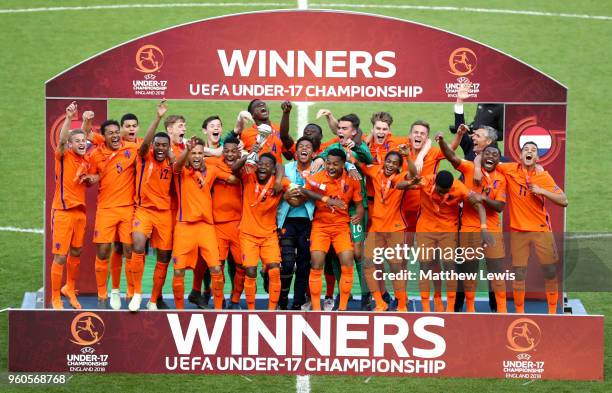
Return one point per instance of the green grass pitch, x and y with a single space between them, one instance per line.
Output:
35 46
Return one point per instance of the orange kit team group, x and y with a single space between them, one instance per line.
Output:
201 203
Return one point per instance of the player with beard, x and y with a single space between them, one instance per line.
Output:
387 230
333 190
68 218
114 161
258 230
528 190
294 222
194 232
153 217
227 211
491 192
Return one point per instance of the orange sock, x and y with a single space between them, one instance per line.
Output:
274 287
470 300
330 283
72 271
250 289
238 284
178 288
129 277
379 301
450 301
115 268
500 299
401 301
57 273
217 289
159 279
198 275
552 295
101 267
425 290
519 296
137 271
315 283
346 284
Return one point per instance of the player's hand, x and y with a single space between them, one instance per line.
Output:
539 169
293 193
354 174
356 219
439 137
232 180
323 112
348 143
256 148
486 238
88 115
89 180
334 203
462 130
191 143
474 197
241 147
71 109
277 188
162 108
316 165
463 93
535 189
286 106
404 150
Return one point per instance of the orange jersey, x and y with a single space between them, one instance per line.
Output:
226 197
344 188
493 185
259 204
391 143
153 181
430 167
386 215
527 210
69 192
98 139
272 144
440 213
116 170
193 193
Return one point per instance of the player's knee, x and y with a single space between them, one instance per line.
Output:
127 250
59 259
118 247
164 256
251 271
520 273
550 271
214 269
179 272
75 251
103 250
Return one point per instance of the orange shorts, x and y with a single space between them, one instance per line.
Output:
228 235
156 225
191 237
253 248
384 240
542 242
339 236
113 221
436 245
68 229
473 240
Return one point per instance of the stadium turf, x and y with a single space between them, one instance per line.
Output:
38 45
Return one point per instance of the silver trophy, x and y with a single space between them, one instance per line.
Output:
264 131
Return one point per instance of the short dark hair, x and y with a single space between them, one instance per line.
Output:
250 106
209 119
270 156
420 123
444 179
107 123
529 143
161 135
337 153
315 125
128 116
395 153
353 118
304 138
494 146
199 141
231 139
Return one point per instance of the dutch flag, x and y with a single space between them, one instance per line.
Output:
540 136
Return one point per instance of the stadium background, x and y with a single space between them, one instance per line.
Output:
38 44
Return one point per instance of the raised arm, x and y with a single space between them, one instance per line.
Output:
180 162
449 154
65 132
146 143
331 120
461 132
86 126
284 125
244 117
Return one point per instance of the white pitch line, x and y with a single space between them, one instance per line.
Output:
462 9
326 5
22 230
589 236
302 384
302 4
126 6
302 116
